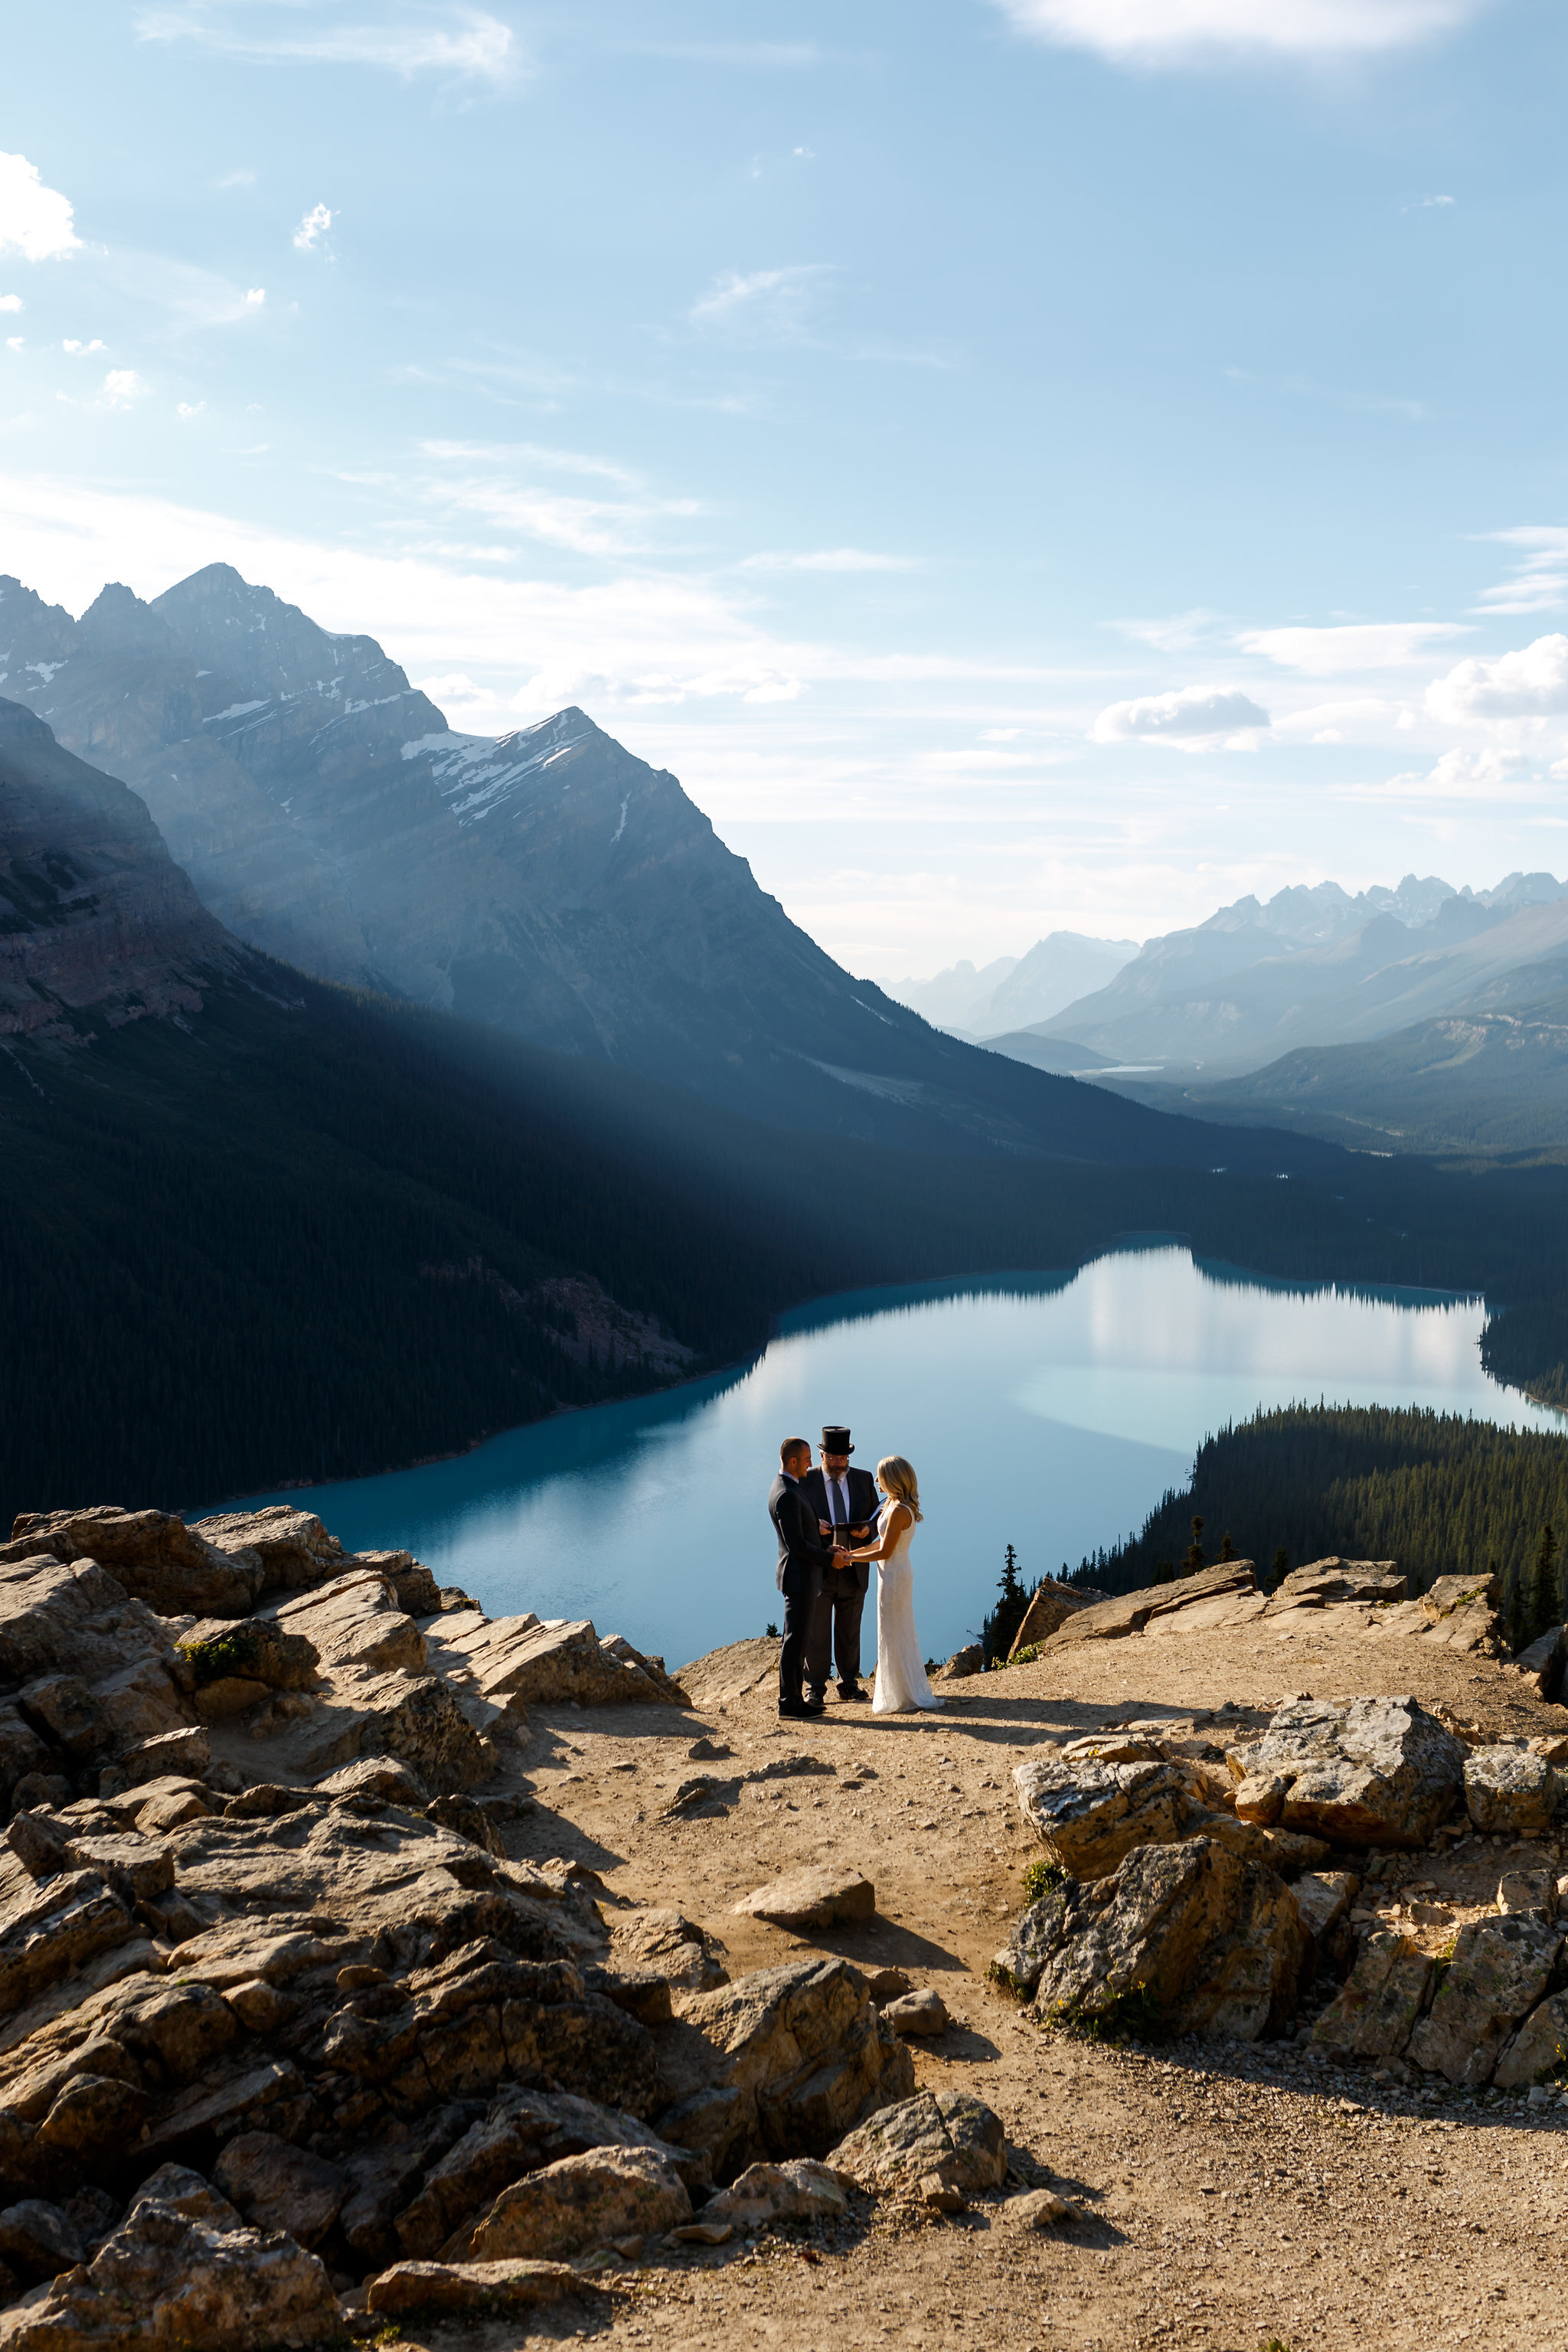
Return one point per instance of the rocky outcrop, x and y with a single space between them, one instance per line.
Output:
169 2277
780 2064
1229 1586
1184 1938
1050 1606
1499 1969
946 2135
1365 1771
577 2202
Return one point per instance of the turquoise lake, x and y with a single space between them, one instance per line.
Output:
1047 1411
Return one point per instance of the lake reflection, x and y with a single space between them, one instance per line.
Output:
1047 1411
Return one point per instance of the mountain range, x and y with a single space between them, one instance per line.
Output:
548 883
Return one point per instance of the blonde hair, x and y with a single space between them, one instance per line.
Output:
896 1478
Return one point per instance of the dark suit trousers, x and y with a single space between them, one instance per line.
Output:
834 1632
797 1619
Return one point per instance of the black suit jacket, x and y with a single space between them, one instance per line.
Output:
803 1555
864 1504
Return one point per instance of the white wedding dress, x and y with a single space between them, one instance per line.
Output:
900 1669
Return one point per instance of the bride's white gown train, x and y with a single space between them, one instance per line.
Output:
900 1671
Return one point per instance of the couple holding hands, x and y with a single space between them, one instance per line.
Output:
832 1528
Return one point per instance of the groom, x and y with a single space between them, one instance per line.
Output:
845 1501
804 1560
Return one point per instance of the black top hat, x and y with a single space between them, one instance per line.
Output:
837 1440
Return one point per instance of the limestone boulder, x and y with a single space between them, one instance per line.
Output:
1537 2054
292 1548
948 2134
969 1660
47 1931
578 2203
523 2132
38 2241
798 2190
1286 1851
1499 1970
918 2015
257 1648
1323 1898
825 1896
1134 1612
1187 1935
1088 1812
154 1556
1326 1583
515 1662
1542 1663
1359 1771
417 1591
480 2289
664 1942
166 2278
1034 1939
185 1753
97 1671
1382 2001
780 2064
1511 1790
1050 1606
280 2188
355 1620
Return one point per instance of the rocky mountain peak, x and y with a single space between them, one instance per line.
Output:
268 648
118 622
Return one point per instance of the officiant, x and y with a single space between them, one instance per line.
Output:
845 1501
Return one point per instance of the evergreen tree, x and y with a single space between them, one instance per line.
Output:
1545 1605
1226 1549
1001 1628
1280 1569
1192 1558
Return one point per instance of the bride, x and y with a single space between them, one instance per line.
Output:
901 1672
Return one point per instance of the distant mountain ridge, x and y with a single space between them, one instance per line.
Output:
1313 968
1014 990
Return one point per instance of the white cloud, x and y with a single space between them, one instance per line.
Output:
828 558
10 302
121 387
1350 646
768 303
255 296
464 44
311 230
189 408
1170 32
82 351
34 221
1539 581
241 179
1197 716
14 343
1457 776
1529 684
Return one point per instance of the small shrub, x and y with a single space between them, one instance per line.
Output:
1027 1658
1040 1878
226 1653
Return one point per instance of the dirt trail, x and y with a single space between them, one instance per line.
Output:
1239 2196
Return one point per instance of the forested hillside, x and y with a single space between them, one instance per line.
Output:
1441 1494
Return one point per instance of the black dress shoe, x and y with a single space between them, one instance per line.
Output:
809 1708
851 1692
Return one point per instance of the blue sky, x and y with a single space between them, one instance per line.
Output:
1023 463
